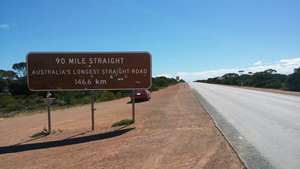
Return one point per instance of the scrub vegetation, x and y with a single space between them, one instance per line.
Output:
41 133
266 79
124 122
15 97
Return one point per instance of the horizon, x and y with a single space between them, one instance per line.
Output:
192 39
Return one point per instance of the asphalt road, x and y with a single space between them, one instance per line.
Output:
263 127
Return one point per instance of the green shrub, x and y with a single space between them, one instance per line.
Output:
106 96
294 80
23 100
124 122
41 133
7 99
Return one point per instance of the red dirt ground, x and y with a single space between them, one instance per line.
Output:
171 131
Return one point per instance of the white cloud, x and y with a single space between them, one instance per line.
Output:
294 61
284 66
257 63
164 74
4 27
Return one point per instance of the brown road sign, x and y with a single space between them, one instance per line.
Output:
89 71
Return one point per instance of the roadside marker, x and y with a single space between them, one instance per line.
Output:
49 101
93 110
133 105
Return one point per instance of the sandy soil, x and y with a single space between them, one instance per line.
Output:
172 131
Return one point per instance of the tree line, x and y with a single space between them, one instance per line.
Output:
264 79
15 97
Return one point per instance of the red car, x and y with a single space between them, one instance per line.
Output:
142 95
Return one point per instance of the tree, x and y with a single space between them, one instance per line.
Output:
3 85
230 78
18 87
20 68
264 79
267 79
241 72
270 71
7 74
294 80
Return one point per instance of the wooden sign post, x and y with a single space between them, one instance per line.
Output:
133 105
49 101
93 110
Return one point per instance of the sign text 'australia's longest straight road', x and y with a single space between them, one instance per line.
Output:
89 71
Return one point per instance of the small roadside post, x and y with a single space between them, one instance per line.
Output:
133 105
93 110
49 101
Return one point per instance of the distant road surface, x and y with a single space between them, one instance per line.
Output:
263 127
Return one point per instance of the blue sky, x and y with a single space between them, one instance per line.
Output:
184 37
